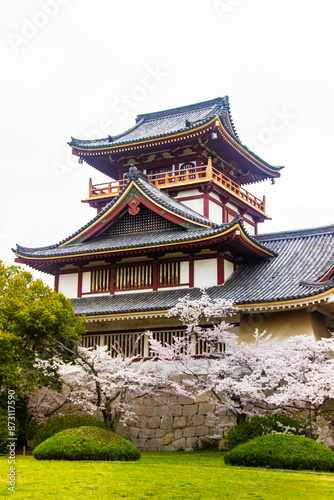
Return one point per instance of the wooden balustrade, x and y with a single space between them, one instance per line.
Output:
175 178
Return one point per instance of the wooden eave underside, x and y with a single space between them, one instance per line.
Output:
233 239
94 156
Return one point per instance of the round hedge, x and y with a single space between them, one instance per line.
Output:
261 426
282 451
58 424
86 443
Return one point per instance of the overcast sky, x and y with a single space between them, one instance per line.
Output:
86 68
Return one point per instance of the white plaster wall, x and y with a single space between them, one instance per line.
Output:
249 228
184 272
86 282
196 205
215 196
228 269
205 272
188 192
68 285
232 206
215 212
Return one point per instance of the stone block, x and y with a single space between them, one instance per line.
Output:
182 400
147 401
179 422
178 434
172 400
153 422
163 410
154 444
166 423
140 443
202 398
197 420
205 408
159 433
179 444
133 432
168 438
139 409
150 411
145 433
190 410
176 410
192 443
142 422
189 432
202 430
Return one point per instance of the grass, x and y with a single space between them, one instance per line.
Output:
178 475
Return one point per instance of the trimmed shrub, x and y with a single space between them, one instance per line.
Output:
58 424
282 451
260 426
86 443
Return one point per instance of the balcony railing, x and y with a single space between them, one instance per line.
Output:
195 175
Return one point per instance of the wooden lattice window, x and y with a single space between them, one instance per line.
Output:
145 220
203 347
125 344
118 343
100 280
130 278
169 273
136 344
166 337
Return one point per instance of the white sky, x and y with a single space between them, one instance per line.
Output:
86 68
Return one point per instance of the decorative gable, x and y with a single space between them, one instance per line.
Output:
143 220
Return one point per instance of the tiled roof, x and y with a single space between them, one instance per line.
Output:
161 123
302 257
154 193
122 241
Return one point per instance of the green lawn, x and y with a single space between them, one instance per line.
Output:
178 475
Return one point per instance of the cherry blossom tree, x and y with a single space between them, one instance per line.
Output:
245 379
99 382
295 377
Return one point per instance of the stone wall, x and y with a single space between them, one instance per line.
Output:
177 424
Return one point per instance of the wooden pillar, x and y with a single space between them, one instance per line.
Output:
112 281
191 272
56 286
220 270
155 276
79 294
206 202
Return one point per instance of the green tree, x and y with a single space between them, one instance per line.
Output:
35 322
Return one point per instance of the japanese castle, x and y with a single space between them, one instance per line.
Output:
177 215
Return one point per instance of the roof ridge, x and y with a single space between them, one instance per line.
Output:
295 233
183 109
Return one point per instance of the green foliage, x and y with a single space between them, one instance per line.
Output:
260 426
3 433
34 321
282 451
86 443
58 424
